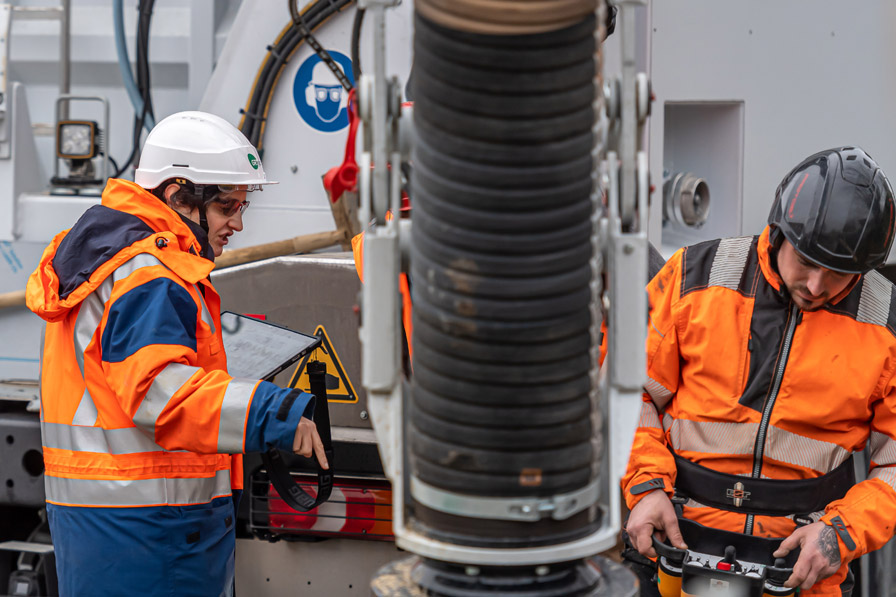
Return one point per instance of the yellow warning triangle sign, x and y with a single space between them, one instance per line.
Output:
339 386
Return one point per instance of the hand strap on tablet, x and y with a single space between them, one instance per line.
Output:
278 471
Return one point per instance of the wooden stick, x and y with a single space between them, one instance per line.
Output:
15 298
299 244
345 214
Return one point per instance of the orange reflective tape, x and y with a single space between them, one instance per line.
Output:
144 465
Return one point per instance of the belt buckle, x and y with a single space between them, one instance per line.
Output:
738 494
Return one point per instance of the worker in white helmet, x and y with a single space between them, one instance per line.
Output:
142 427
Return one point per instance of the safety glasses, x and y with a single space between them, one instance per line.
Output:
229 207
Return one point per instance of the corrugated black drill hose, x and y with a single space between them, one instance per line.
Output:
477 350
486 200
512 414
501 268
536 262
546 51
510 176
473 101
506 241
486 152
498 395
510 288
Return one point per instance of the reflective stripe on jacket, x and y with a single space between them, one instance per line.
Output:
137 408
742 382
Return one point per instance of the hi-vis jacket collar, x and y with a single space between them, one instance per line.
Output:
129 221
774 279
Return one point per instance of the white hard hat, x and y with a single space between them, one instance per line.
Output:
202 148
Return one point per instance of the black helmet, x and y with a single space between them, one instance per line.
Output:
837 210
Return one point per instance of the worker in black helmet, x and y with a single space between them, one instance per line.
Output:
771 361
835 208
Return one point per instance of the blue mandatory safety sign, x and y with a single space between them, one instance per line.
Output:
320 99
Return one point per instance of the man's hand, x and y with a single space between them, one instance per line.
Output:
819 554
654 513
307 441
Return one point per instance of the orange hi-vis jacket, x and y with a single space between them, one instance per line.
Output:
137 408
742 382
404 287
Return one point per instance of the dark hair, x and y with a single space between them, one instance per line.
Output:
187 195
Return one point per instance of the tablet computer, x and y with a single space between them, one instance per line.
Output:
260 350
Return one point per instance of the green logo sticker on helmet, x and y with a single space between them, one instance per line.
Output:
254 161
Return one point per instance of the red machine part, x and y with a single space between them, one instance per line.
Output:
344 177
356 508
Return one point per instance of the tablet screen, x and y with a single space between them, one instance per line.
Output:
260 350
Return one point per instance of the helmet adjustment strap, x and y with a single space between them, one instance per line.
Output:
203 221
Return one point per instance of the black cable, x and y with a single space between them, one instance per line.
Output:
144 19
294 11
143 75
277 58
356 42
120 170
317 13
253 121
264 87
281 53
135 143
146 8
298 21
112 161
274 62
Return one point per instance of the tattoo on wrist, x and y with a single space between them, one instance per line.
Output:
827 544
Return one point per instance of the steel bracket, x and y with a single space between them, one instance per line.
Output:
528 509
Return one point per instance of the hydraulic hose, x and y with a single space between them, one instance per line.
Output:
501 265
357 23
124 64
313 15
145 113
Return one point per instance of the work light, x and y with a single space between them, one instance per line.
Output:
76 139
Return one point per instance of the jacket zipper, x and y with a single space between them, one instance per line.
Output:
759 448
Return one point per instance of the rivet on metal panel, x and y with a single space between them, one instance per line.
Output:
363 415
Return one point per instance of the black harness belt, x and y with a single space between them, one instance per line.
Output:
278 470
769 497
